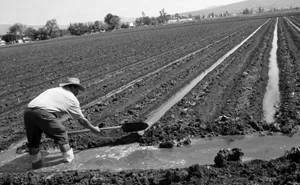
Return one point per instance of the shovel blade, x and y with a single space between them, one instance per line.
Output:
134 126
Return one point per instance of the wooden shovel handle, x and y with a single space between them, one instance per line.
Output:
88 130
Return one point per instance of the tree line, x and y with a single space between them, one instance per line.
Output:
19 31
111 22
51 29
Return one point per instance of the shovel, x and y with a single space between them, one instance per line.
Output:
126 127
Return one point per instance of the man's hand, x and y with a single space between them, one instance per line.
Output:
87 124
96 130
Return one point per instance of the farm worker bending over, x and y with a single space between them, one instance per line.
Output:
47 112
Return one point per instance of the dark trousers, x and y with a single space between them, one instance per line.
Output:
38 121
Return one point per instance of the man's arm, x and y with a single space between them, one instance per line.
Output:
84 122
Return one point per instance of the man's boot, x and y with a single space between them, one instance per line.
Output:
68 156
36 160
67 152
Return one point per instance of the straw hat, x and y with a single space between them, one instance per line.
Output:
73 81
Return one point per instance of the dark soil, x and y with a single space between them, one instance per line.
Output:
129 74
126 74
289 64
227 102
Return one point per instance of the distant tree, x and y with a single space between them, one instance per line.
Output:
143 14
246 11
52 28
42 34
163 18
31 33
211 15
260 10
146 21
10 37
78 28
197 17
139 21
98 26
226 13
177 16
90 27
113 21
124 25
17 29
154 21
63 32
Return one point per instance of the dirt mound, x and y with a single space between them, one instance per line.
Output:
294 154
225 155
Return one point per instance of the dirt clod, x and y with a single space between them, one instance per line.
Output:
167 144
225 155
294 154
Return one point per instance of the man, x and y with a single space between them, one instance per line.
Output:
47 112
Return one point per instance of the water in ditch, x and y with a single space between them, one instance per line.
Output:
133 156
272 97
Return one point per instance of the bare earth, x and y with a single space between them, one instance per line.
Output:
130 73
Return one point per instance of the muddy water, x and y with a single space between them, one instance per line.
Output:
272 97
133 156
158 113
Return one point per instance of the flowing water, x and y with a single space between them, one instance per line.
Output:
133 156
272 97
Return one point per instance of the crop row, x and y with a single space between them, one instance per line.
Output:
289 65
137 101
171 46
227 101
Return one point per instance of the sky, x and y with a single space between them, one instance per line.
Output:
37 12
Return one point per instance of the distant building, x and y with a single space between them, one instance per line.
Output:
131 25
26 39
172 21
20 41
186 20
2 43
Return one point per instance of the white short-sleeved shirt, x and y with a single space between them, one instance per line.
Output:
58 100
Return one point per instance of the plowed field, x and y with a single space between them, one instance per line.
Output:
129 75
